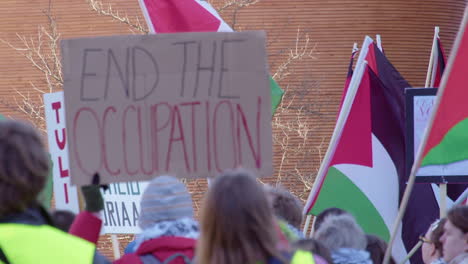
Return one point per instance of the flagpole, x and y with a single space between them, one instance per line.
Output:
378 39
342 117
435 60
307 222
306 225
443 200
115 246
352 90
422 146
462 198
431 58
312 228
411 253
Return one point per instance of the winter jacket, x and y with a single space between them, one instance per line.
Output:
165 239
162 248
87 226
29 237
300 257
350 256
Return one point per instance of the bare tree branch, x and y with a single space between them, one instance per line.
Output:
237 4
298 53
98 7
42 51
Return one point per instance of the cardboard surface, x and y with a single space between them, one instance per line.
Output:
188 105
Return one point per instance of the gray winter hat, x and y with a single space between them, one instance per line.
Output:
165 198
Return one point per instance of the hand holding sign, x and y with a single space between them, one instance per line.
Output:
189 105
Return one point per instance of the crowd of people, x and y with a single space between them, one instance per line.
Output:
241 221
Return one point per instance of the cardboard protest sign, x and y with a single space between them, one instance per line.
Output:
188 105
66 196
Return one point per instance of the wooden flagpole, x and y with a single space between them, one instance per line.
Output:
462 198
431 59
443 200
115 246
411 253
435 62
378 39
312 228
340 122
306 225
422 146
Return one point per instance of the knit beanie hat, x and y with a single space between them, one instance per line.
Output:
164 199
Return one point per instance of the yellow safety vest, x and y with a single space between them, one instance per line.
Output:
302 257
25 244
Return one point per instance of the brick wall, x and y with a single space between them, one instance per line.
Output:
304 123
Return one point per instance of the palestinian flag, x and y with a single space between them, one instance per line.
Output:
171 16
439 64
367 168
350 73
445 152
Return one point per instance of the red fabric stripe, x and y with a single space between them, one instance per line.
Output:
357 131
168 16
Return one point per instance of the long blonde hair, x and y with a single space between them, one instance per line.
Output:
237 224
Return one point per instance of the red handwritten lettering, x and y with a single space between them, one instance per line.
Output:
176 116
65 190
104 142
194 139
60 143
63 173
208 139
142 145
156 129
74 138
56 106
215 133
124 140
242 121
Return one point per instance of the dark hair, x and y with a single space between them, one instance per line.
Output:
377 247
24 166
458 216
314 246
286 205
63 219
329 211
237 223
437 232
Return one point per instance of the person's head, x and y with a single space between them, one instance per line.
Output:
376 248
237 223
164 199
63 219
24 166
432 248
329 211
285 205
314 246
455 237
341 231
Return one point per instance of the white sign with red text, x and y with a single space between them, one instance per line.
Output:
66 196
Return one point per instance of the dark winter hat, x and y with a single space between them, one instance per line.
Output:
165 198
